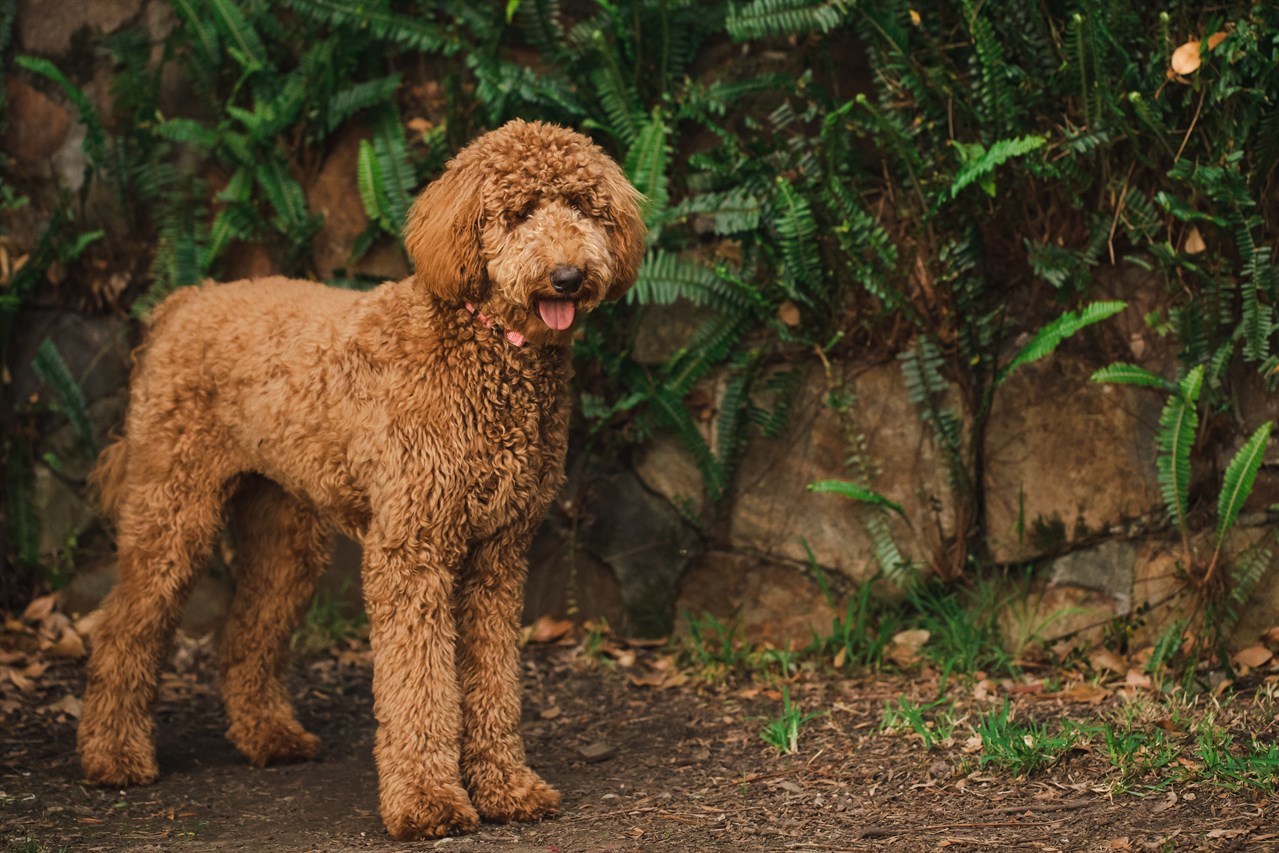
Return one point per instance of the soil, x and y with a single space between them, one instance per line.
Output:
680 768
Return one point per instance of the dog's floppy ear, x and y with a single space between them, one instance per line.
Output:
626 233
443 234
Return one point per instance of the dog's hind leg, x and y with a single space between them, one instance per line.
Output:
281 548
169 515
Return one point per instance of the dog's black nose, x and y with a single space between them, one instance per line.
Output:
566 279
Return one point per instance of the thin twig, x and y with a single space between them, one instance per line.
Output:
1203 93
1119 207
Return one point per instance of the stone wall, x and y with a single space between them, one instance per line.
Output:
1069 479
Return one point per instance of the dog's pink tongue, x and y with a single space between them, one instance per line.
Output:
556 313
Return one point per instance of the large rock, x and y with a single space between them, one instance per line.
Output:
47 26
1067 460
37 125
335 195
770 603
774 513
644 543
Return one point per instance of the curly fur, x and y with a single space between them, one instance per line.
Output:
397 417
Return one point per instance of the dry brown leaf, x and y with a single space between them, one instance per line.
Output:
40 608
1185 59
68 705
1137 678
68 645
914 638
1252 657
1085 692
1106 659
1194 242
1270 636
1216 39
548 629
915 18
840 657
788 313
1120 843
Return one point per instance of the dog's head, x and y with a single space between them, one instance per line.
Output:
531 223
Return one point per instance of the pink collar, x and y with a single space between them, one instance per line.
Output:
512 336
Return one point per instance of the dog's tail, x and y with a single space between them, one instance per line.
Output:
106 480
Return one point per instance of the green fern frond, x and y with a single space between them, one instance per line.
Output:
397 171
241 37
95 140
1246 571
734 211
797 229
760 19
368 179
1131 374
50 367
646 162
284 194
1049 337
665 277
1178 424
984 164
855 492
358 97
375 18
1241 475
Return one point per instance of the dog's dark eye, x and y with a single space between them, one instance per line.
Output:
515 217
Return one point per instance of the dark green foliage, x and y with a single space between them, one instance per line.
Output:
943 194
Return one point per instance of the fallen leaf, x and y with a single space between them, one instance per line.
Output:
1194 242
68 705
548 629
788 313
840 657
40 607
1185 59
1106 659
68 645
1084 692
551 712
1120 843
1227 833
1252 657
913 638
1216 39
595 752
1137 678
1270 636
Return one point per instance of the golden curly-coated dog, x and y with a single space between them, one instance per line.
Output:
427 418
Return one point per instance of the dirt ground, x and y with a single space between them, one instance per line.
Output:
680 768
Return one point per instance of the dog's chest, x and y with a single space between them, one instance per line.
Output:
516 461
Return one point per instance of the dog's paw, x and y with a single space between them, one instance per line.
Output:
274 742
442 810
519 794
119 766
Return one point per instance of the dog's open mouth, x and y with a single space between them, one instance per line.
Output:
557 313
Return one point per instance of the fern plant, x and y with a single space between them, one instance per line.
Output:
1220 591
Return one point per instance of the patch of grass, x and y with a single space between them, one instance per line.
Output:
964 634
1225 764
332 618
1022 749
936 728
713 647
783 733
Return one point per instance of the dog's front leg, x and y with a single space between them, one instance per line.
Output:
408 588
502 786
